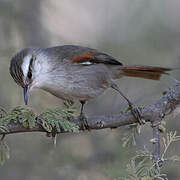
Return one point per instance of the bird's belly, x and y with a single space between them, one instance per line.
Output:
81 83
75 92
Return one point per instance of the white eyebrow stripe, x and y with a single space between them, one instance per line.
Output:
25 65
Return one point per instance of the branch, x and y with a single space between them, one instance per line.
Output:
150 113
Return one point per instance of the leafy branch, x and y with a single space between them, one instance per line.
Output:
62 121
52 119
142 166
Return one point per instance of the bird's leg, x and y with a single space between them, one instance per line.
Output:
134 110
82 117
52 134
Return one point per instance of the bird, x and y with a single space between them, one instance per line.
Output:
72 72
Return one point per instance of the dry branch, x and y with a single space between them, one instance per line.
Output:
150 113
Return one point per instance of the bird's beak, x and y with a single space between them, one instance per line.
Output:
26 94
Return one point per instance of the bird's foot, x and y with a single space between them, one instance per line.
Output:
84 123
136 113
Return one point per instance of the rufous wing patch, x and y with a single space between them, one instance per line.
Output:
83 59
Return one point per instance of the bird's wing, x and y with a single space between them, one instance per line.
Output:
93 57
81 55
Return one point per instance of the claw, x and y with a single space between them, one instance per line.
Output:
84 123
135 110
136 113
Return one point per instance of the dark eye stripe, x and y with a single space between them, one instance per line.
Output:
29 74
31 62
30 66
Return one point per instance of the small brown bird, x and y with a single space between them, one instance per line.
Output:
74 73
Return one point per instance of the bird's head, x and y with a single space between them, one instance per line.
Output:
22 69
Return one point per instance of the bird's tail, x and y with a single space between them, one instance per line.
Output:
146 72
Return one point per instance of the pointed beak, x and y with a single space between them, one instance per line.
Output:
26 94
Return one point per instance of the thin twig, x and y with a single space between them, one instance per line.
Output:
156 147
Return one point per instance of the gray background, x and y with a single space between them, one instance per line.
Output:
135 32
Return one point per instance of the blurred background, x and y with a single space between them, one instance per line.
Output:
135 32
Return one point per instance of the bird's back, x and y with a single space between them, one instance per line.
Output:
73 51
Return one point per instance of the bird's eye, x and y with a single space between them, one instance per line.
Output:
29 75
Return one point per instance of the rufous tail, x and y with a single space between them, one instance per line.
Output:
146 72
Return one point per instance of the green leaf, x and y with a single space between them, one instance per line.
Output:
174 158
57 118
47 126
19 115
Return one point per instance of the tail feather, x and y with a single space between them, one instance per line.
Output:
146 72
